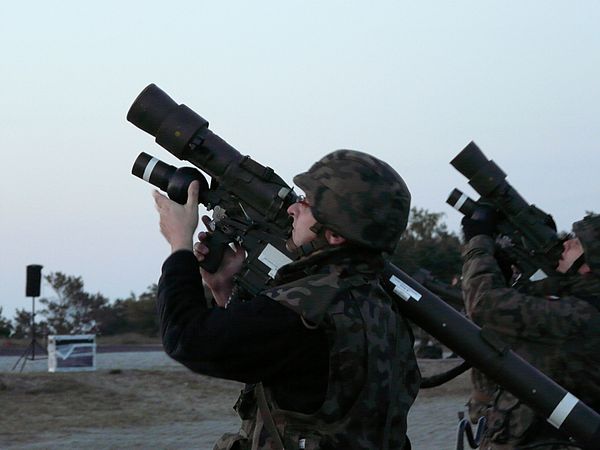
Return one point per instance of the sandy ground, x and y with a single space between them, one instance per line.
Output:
144 400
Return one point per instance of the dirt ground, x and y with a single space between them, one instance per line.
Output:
168 408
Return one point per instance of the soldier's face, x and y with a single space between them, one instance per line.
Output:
303 219
572 251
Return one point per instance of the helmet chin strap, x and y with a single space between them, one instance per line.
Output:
319 242
576 265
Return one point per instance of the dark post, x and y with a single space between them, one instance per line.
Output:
32 289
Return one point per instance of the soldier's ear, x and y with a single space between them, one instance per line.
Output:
334 238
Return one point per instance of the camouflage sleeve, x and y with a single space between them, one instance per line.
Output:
489 302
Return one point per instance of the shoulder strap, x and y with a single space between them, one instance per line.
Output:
594 301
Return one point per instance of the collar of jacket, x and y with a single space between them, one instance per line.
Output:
352 261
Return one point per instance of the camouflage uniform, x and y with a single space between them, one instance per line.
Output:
373 376
555 326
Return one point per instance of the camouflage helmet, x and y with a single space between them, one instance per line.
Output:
587 231
358 197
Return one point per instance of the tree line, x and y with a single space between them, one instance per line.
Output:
426 243
73 310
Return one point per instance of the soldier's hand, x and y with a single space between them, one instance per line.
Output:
483 221
220 282
178 222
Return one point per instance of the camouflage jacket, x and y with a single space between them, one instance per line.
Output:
373 376
554 325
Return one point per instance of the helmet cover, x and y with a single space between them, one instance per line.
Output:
587 231
358 197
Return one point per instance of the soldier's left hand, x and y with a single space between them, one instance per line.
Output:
483 221
178 222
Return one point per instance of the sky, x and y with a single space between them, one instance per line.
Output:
285 82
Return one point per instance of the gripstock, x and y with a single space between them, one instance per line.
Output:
249 201
257 204
526 233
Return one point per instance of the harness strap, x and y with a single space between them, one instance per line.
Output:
394 385
267 418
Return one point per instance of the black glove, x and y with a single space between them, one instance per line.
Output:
549 220
506 266
483 221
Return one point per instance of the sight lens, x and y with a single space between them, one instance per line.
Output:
152 170
174 181
150 109
470 160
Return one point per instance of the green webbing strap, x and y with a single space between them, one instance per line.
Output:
576 265
267 418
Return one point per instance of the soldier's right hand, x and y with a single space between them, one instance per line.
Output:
220 282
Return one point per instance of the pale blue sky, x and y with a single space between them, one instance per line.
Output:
286 82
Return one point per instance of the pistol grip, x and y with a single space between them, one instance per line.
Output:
217 243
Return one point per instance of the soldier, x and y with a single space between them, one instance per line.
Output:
327 360
554 324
